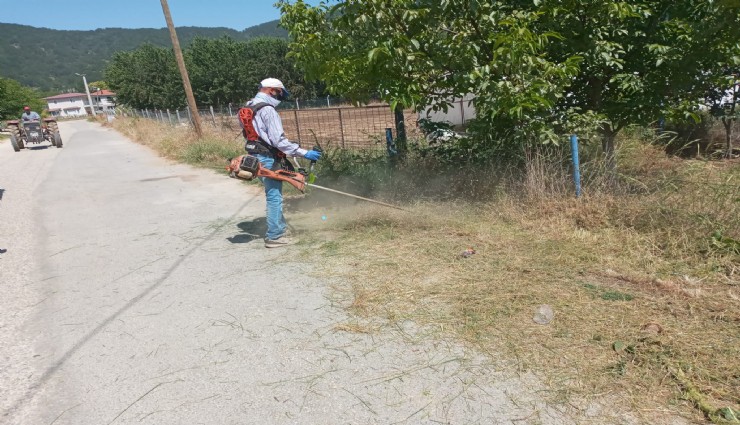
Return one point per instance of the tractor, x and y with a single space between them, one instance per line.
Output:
24 133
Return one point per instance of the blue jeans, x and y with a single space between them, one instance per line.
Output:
274 194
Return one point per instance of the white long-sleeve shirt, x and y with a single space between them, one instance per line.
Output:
269 126
30 116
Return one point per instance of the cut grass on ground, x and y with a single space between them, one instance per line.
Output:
633 318
645 283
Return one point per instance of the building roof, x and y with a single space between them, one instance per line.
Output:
65 96
102 93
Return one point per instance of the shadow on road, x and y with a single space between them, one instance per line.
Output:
37 148
251 230
2 191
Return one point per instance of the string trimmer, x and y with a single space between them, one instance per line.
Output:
248 167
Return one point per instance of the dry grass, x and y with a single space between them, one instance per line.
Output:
644 281
180 143
646 300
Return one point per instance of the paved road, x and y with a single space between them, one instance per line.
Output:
134 291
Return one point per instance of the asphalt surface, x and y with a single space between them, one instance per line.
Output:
138 291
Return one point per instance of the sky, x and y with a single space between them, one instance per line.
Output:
93 14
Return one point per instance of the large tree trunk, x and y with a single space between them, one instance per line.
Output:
610 158
608 145
400 130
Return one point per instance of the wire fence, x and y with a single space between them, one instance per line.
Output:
348 127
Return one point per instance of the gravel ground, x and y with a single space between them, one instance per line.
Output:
132 293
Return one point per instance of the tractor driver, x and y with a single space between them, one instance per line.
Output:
29 115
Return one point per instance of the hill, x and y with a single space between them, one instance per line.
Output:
48 59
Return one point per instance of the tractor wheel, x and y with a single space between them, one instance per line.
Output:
17 133
57 141
14 142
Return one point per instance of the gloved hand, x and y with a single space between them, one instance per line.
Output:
312 155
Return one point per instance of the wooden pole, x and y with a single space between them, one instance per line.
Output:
183 71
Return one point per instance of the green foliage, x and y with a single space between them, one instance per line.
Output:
226 71
221 71
146 78
98 85
424 53
641 59
48 59
608 295
538 69
14 96
724 243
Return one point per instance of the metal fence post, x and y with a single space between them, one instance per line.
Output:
146 112
576 164
341 126
328 105
297 125
169 117
297 106
230 114
213 116
177 112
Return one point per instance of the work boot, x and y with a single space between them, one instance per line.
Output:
279 242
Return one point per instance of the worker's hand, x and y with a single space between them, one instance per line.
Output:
313 155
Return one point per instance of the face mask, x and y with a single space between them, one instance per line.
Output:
280 96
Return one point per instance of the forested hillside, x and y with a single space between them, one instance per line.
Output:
48 59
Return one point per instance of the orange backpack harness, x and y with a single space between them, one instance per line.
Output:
254 143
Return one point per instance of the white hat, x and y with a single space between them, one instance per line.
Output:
274 83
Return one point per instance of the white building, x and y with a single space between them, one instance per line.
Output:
104 100
460 111
67 105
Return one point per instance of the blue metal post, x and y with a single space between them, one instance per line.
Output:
389 145
576 164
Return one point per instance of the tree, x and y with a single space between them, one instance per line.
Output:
226 71
723 104
420 53
14 96
722 75
222 71
535 67
98 85
641 59
146 78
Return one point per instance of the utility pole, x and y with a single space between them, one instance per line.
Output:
183 71
87 90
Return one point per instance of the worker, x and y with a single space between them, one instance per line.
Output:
29 115
271 150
